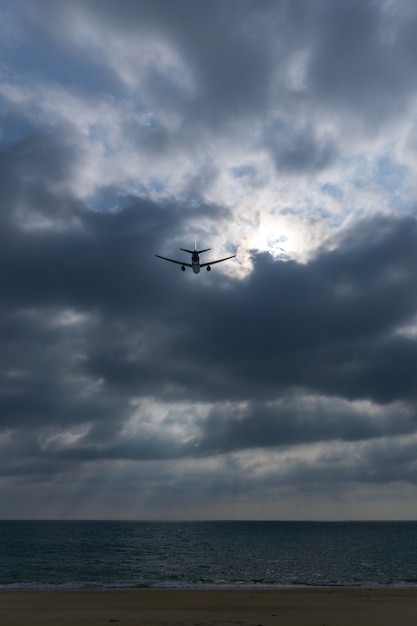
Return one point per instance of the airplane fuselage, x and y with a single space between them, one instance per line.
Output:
195 262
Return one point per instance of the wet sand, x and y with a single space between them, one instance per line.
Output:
149 607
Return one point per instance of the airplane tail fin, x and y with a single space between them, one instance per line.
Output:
195 248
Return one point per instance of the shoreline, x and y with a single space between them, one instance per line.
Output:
212 588
338 606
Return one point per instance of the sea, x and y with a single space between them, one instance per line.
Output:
206 555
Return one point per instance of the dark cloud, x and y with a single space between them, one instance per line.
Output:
118 121
293 422
329 326
361 57
297 151
359 54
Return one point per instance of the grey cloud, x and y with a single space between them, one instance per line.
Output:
360 59
375 462
227 62
91 323
297 151
294 422
357 50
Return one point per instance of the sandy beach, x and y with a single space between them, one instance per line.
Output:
283 607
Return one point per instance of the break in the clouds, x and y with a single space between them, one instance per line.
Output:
283 383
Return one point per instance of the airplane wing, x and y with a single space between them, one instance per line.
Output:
173 261
218 261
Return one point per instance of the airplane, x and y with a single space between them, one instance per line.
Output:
195 260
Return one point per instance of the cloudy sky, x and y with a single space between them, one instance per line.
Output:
282 384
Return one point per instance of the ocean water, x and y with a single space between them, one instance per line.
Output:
43 554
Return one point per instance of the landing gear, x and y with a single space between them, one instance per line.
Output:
183 268
208 268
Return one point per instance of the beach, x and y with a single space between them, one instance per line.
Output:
153 607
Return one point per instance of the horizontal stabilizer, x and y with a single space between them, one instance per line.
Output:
192 251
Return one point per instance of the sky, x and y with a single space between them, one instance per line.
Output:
283 383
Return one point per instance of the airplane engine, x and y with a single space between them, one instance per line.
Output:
183 268
208 268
